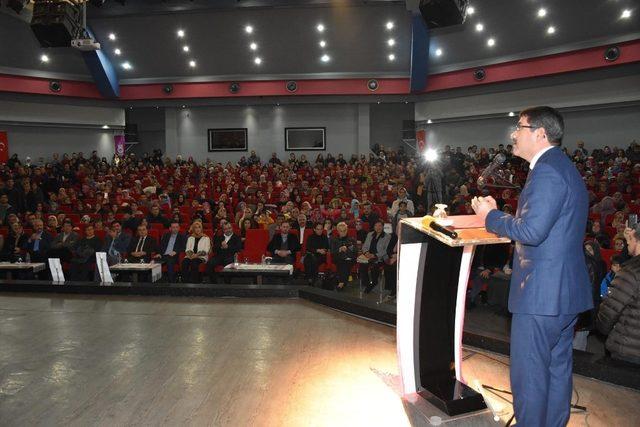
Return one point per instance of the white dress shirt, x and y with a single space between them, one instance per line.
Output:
538 155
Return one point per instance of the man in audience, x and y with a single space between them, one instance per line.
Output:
142 248
84 255
275 227
38 246
225 247
618 313
15 245
5 209
301 225
343 253
374 254
172 244
64 243
368 215
155 217
116 243
284 245
316 252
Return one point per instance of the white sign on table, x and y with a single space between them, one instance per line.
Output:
103 267
56 270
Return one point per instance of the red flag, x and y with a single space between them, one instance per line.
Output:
4 147
421 140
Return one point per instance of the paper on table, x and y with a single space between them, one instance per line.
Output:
466 221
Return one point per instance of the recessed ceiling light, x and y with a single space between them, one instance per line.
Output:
438 52
184 106
471 10
511 114
44 58
192 63
180 33
391 42
542 12
112 36
389 25
126 65
392 57
551 30
105 127
117 51
429 121
323 43
248 29
253 46
257 60
479 27
626 14
320 28
325 58
491 42
185 48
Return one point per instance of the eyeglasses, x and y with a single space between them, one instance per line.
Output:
519 126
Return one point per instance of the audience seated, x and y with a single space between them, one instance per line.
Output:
196 253
225 248
284 245
83 257
317 247
343 253
172 245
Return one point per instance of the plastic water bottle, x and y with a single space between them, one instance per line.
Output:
28 258
235 260
262 259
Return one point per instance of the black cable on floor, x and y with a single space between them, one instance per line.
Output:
508 424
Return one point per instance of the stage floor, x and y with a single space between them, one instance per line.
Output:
100 360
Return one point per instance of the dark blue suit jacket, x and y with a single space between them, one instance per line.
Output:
549 270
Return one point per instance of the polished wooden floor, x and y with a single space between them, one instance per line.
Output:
117 361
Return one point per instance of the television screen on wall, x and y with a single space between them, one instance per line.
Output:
305 139
228 139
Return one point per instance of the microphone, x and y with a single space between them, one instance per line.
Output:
444 230
495 163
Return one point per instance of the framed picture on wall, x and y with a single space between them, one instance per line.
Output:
228 139
304 139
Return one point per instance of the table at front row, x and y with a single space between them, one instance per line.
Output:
136 268
11 267
257 270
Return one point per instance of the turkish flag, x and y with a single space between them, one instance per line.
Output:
421 140
4 147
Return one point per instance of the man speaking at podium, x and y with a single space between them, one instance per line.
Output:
549 284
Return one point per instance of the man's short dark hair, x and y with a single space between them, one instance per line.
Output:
379 221
617 259
402 203
547 118
116 222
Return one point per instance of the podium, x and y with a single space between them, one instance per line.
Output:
433 271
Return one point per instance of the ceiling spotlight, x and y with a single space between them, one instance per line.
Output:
253 46
44 58
551 30
392 57
391 42
542 12
429 121
471 10
185 48
192 63
626 14
491 42
511 114
248 29
117 51
479 27
320 28
112 36
126 65
105 127
438 52
184 106
257 60
325 58
180 33
323 43
389 25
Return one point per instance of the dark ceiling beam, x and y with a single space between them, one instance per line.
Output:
113 8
